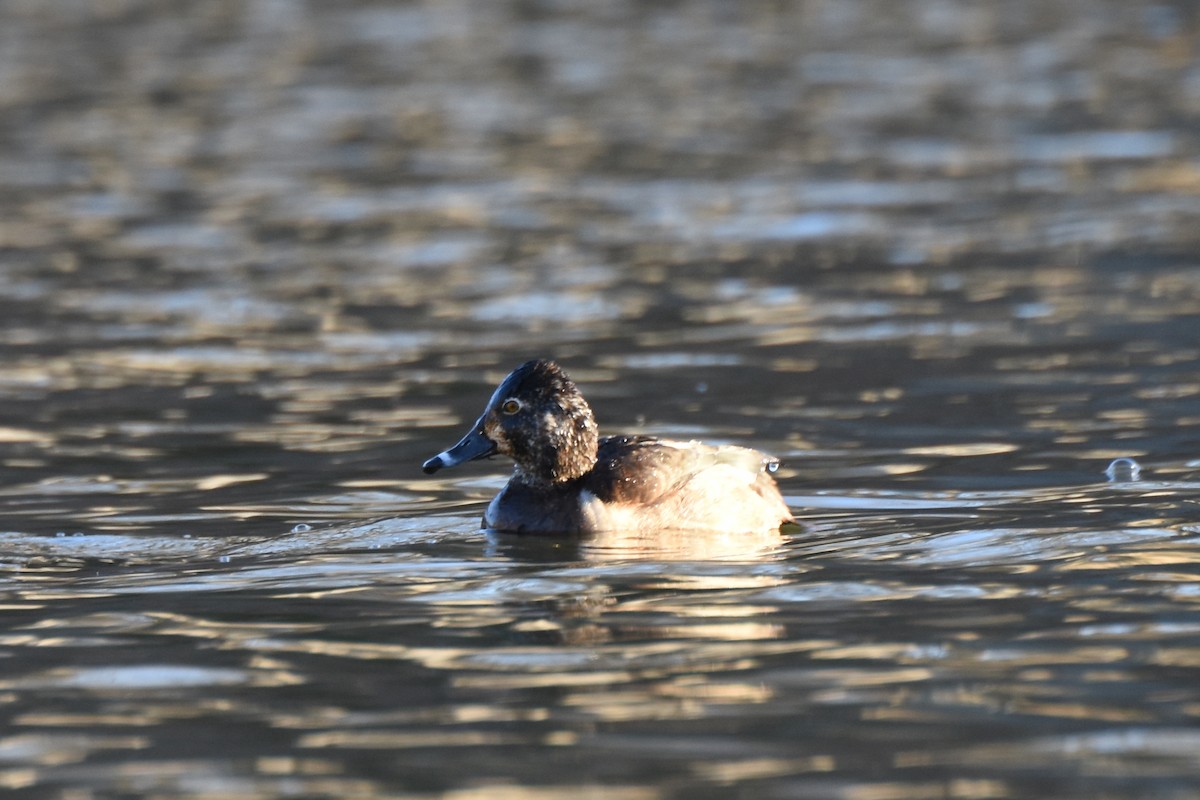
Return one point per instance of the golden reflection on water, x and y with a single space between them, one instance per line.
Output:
688 642
958 789
962 449
681 545
607 791
394 740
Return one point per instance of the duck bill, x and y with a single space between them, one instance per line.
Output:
474 445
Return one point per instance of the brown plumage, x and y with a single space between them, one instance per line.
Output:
567 480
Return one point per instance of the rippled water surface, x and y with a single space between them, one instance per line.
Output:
258 260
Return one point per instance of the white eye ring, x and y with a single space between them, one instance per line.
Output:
511 406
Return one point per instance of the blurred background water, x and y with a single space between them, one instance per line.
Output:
259 259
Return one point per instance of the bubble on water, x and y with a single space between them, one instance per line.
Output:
1123 469
303 527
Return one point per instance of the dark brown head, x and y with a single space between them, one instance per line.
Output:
538 418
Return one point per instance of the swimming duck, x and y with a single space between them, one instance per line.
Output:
568 480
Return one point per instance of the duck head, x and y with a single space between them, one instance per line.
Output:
538 418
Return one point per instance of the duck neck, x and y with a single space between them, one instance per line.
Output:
566 455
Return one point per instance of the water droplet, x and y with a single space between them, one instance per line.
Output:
303 527
61 533
1123 469
187 536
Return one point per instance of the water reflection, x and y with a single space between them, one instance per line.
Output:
669 545
533 647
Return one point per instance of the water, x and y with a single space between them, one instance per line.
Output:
261 260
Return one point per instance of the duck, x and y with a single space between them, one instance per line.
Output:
567 479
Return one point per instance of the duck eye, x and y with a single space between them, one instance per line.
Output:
511 406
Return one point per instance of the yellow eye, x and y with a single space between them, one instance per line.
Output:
511 406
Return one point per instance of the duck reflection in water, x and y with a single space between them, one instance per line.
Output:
568 480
